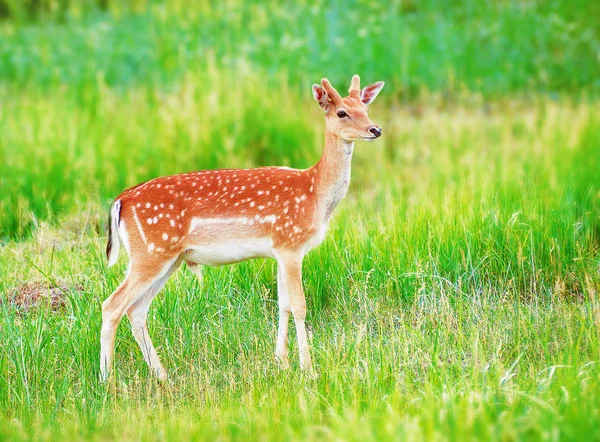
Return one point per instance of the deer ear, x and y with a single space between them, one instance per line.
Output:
370 92
321 96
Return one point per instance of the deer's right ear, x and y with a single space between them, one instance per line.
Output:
321 96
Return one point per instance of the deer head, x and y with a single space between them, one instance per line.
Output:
348 117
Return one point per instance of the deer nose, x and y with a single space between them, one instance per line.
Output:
375 130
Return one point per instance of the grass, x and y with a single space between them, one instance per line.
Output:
456 295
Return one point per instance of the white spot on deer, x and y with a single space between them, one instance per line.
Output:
148 205
170 206
297 229
261 207
165 236
151 247
149 220
260 192
175 239
252 203
155 207
172 222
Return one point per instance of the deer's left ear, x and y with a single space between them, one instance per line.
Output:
370 92
321 96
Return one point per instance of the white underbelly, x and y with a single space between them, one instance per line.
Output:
229 252
317 238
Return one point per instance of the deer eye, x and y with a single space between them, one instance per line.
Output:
341 114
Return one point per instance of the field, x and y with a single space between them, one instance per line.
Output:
457 295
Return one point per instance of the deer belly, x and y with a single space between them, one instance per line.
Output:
317 238
229 252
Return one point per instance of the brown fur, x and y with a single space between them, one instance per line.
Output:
166 220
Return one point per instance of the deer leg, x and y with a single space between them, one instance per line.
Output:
292 280
196 269
135 285
281 350
137 315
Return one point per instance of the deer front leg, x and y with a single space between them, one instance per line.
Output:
281 350
291 264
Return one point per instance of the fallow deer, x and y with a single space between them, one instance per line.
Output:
216 217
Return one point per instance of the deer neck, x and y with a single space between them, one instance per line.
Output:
333 173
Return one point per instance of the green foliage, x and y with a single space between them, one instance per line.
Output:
492 47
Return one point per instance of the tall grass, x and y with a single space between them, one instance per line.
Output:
455 296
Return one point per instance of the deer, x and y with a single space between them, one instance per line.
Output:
219 217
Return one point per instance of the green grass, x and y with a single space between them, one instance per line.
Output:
457 293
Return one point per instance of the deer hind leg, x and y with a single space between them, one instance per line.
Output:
281 349
291 264
135 285
196 269
137 314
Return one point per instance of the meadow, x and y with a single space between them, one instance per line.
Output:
457 295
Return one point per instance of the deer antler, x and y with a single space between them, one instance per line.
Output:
333 95
354 90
